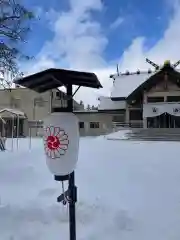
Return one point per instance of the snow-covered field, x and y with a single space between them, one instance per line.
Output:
119 135
126 191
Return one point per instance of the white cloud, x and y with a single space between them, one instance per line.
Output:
81 5
167 47
116 23
80 44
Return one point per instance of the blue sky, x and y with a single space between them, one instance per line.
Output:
95 35
139 18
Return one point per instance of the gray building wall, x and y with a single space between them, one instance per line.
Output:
35 106
94 123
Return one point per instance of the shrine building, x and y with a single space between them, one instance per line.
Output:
145 99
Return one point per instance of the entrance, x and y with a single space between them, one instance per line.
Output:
165 120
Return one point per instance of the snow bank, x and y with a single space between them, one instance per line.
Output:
119 135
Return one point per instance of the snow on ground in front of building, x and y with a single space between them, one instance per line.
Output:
119 135
126 190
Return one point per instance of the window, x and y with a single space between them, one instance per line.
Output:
135 114
173 98
94 124
155 99
118 118
81 124
58 95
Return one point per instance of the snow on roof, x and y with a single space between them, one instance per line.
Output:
124 85
107 104
13 111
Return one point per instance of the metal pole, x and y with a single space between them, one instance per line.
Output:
71 188
29 137
72 209
12 129
34 108
17 132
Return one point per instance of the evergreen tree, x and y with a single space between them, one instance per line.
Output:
88 107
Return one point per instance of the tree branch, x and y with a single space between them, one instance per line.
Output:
14 25
3 19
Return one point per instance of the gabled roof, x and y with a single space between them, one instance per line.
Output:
124 85
13 112
53 78
173 76
131 86
106 103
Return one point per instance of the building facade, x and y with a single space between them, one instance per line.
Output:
94 123
22 110
146 99
138 100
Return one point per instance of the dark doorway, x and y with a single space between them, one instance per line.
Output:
165 120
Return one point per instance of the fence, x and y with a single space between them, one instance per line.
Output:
35 128
130 124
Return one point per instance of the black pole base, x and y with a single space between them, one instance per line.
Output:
72 211
61 178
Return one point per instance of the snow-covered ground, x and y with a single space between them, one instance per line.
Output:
119 135
126 190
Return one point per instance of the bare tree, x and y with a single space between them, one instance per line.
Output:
14 26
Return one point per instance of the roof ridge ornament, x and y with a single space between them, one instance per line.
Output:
153 64
128 73
149 71
176 64
167 63
118 73
138 71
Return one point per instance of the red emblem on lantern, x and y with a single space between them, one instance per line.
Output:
55 141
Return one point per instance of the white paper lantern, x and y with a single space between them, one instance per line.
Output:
61 142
